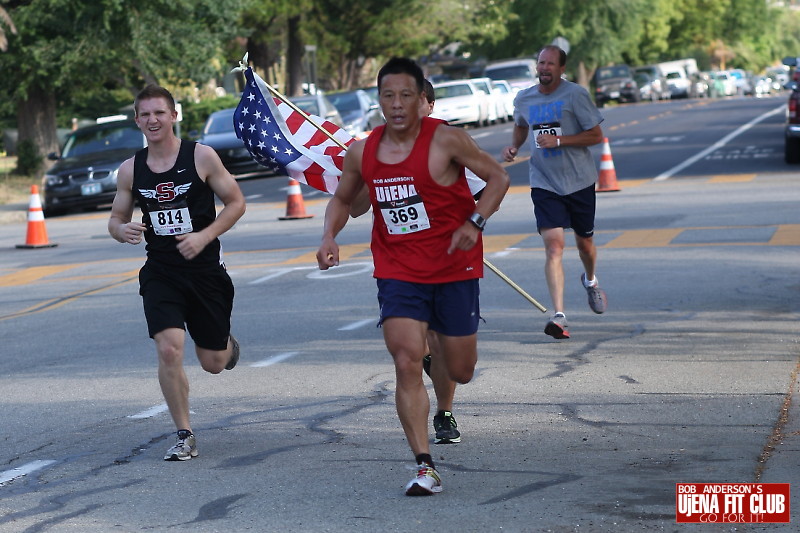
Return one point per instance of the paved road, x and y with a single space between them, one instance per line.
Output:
691 376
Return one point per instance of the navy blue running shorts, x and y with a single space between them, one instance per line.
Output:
451 309
198 301
576 210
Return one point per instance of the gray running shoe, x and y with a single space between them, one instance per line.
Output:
444 423
557 327
184 449
234 354
597 297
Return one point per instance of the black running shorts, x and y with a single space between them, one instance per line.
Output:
576 210
198 301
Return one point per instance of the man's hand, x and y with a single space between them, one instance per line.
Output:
509 153
328 254
464 238
132 232
191 244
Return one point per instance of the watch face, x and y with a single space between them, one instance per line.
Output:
478 220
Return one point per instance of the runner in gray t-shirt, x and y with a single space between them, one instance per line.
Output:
564 123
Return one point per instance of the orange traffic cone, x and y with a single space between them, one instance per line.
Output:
294 202
608 176
37 232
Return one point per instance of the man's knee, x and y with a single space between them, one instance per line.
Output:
462 376
212 361
169 353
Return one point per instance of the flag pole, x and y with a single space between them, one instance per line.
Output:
243 66
516 287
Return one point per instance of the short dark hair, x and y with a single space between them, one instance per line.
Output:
562 55
153 91
430 94
402 65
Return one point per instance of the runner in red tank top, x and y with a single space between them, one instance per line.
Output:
426 243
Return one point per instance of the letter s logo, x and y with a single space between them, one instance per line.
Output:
165 192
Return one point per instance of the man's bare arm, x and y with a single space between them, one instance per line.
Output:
518 137
210 168
339 207
120 225
463 150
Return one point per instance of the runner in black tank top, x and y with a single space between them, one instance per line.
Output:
183 283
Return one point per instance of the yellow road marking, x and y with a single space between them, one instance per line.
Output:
644 237
732 178
29 275
786 235
498 243
58 302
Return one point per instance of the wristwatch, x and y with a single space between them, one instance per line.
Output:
478 221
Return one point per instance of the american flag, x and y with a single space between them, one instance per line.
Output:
280 138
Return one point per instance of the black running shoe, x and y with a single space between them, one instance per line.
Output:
426 364
444 423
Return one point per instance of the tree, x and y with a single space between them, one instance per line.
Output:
273 30
5 20
379 29
63 48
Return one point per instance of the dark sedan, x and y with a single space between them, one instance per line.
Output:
615 83
359 111
218 134
85 175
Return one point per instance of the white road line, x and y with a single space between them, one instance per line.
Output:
719 144
356 325
10 475
149 413
272 275
274 359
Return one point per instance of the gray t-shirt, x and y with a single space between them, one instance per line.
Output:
567 111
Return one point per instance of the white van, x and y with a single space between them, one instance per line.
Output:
519 73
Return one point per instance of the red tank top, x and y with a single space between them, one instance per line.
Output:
415 217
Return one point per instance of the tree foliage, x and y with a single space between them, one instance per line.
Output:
67 58
65 47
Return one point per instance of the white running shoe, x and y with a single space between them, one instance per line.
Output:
426 483
184 449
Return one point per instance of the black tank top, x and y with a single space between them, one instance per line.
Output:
174 202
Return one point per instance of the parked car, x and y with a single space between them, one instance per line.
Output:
678 83
506 97
615 83
85 174
492 110
656 80
701 83
218 133
320 105
724 84
359 111
741 80
647 86
458 102
792 130
763 86
372 92
519 73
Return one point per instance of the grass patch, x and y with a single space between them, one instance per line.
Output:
13 188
